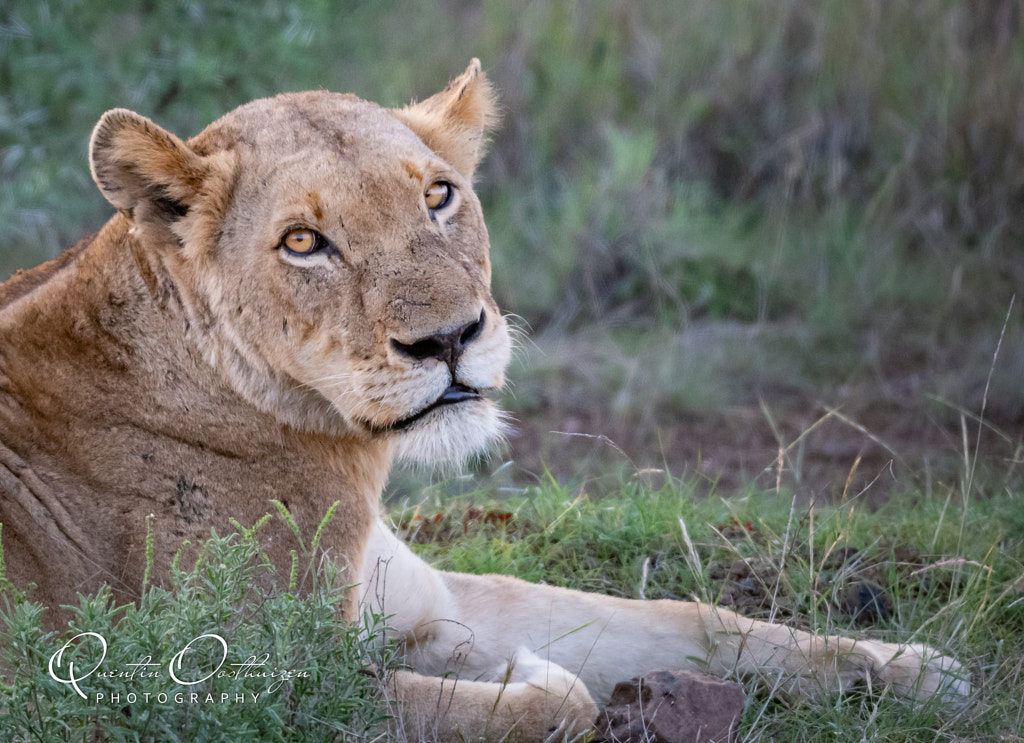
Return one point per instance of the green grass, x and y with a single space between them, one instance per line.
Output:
951 570
948 568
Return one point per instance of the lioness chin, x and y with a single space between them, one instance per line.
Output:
281 306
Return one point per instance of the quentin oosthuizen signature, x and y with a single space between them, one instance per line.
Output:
212 648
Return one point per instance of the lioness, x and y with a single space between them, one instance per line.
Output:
281 306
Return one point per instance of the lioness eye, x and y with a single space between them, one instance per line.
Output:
301 241
438 195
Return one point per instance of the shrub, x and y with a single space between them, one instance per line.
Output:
270 666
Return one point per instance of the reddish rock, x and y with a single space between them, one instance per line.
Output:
673 707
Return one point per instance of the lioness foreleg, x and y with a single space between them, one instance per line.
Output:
468 623
457 689
548 703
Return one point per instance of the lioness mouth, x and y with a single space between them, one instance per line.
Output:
454 394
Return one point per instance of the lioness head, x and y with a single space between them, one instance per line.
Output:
329 255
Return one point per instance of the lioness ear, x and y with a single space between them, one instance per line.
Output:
136 163
453 122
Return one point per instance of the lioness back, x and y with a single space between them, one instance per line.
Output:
280 306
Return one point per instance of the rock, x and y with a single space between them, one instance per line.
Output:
673 706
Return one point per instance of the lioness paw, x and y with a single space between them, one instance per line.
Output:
911 671
921 673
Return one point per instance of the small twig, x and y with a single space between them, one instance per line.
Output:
600 437
954 561
984 396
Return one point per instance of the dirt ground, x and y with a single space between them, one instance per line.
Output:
799 445
736 406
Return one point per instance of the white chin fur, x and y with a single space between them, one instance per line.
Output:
452 434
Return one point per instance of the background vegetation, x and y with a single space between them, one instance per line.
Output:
768 246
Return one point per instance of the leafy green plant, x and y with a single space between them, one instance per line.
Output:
211 657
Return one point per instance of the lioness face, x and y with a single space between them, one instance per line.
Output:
356 262
344 259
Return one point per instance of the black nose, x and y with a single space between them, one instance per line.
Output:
446 346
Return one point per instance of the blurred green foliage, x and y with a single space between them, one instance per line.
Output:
728 158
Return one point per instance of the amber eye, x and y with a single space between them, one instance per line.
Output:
302 241
438 195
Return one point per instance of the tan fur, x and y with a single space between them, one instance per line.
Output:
549 703
181 364
181 369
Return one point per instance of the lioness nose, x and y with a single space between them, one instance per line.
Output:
446 346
